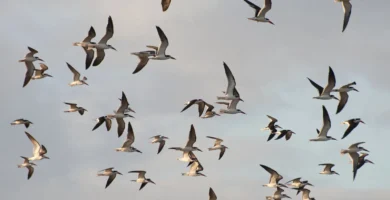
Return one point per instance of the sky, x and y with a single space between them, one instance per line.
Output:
270 64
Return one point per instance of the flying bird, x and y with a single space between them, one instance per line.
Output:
28 60
305 194
110 173
260 12
165 4
190 143
157 54
76 77
297 183
102 45
22 121
141 178
128 109
212 195
285 133
347 7
278 195
39 150
343 92
229 93
120 114
325 93
218 146
29 165
328 169
231 107
201 104
75 108
88 45
352 124
126 147
323 134
194 170
101 120
159 139
272 127
40 73
274 179
355 161
354 148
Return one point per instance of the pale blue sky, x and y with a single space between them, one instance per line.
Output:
270 64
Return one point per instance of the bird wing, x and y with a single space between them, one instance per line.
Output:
110 179
43 67
32 52
165 4
30 171
331 82
349 129
130 136
201 106
217 140
190 103
72 105
109 32
347 7
35 143
282 134
76 74
191 137
29 73
221 153
108 123
124 104
326 122
272 119
42 150
295 180
355 159
143 185
209 107
356 145
164 42
257 8
143 60
273 173
233 104
212 195
90 54
121 126
271 135
194 167
161 146
266 8
91 35
343 100
319 88
100 54
230 78
107 169
224 103
100 122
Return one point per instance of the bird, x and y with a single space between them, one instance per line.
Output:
272 127
323 134
231 107
159 139
218 146
305 194
354 156
201 104
354 148
28 61
141 178
274 179
343 92
30 56
102 45
260 12
229 93
26 122
76 77
165 4
278 195
212 195
352 124
328 169
39 150
325 93
188 156
194 170
75 108
209 112
363 161
128 109
297 183
285 133
347 7
126 147
120 114
101 120
88 45
110 173
40 73
157 54
29 165
190 143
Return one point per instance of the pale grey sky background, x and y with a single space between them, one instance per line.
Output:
270 64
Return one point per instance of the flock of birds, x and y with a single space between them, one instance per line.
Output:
230 99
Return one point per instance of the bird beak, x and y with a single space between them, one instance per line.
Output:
41 60
120 173
85 83
243 112
112 48
355 90
293 132
336 98
271 22
287 196
46 157
370 161
241 100
337 173
365 149
217 114
362 122
173 58
282 185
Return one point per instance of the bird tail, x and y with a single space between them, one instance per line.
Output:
21 60
220 98
20 166
343 151
210 149
13 123
76 44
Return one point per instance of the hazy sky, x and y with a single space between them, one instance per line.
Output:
270 64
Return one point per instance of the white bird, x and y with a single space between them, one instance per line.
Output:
157 54
260 12
159 139
76 77
39 150
141 178
229 93
102 45
297 183
231 107
28 60
218 146
190 143
88 47
355 161
195 169
75 108
278 195
165 4
328 169
212 195
101 120
324 93
305 194
119 115
126 147
347 7
40 73
323 134
274 179
110 173
343 92
354 148
22 121
27 164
